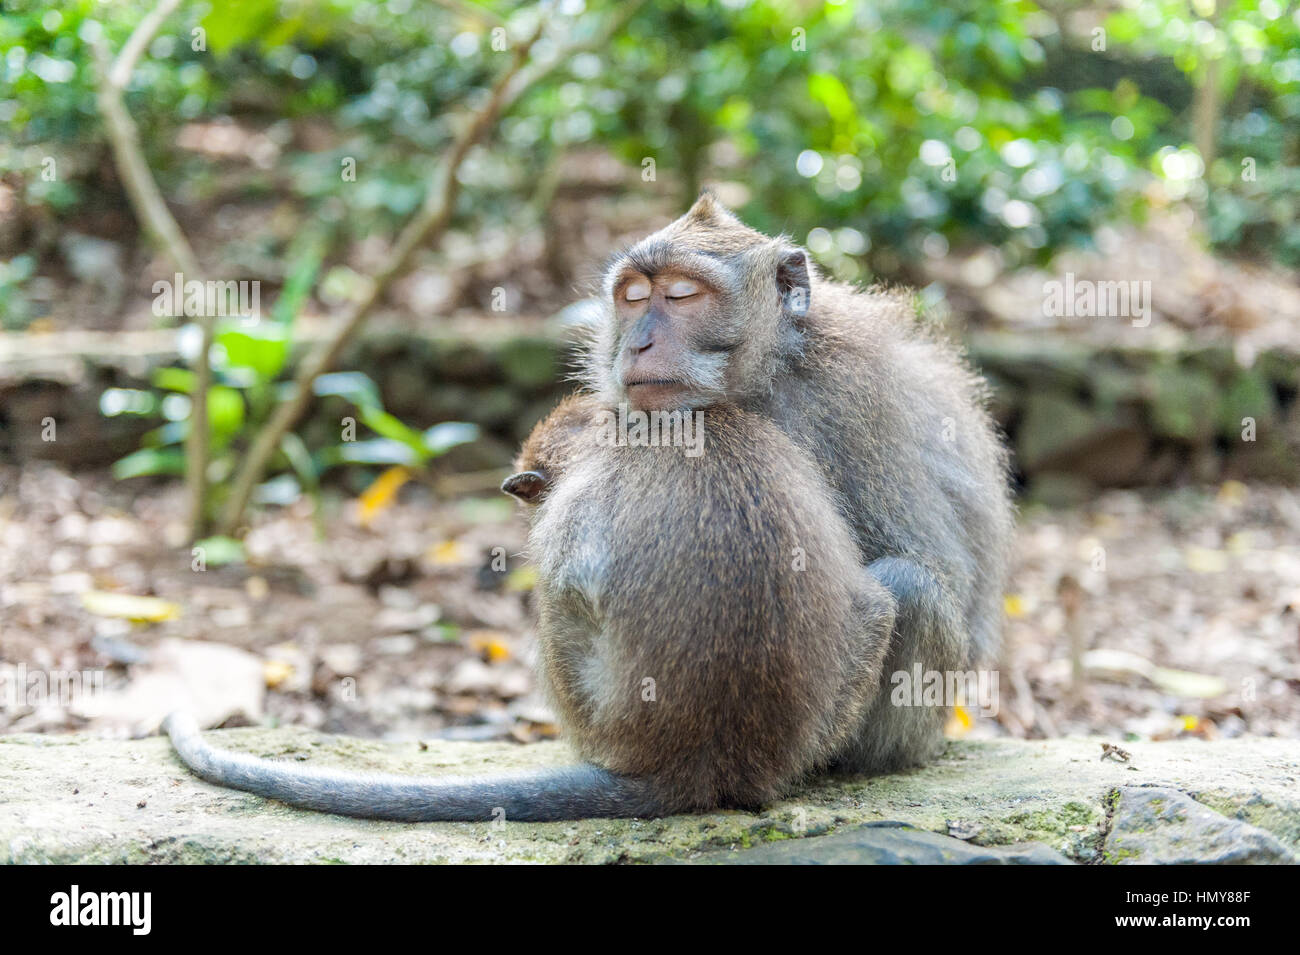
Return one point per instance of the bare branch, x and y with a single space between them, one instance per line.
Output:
156 219
123 66
537 72
146 199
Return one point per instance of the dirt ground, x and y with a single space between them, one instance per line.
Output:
417 623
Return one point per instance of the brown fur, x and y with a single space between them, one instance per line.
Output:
654 565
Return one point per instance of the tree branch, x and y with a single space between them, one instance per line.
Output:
124 65
428 225
153 215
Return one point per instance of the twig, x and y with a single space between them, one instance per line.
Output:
428 225
156 219
539 71
123 66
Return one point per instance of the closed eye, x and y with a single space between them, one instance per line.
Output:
683 288
717 346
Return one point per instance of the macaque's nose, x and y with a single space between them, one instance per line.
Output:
643 336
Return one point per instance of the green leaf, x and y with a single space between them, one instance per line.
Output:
262 348
174 379
219 551
173 432
300 460
828 90
392 427
132 401
302 279
352 385
376 451
283 490
225 414
148 462
232 23
443 437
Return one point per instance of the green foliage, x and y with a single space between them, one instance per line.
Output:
246 362
878 132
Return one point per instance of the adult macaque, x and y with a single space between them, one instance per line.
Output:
708 635
707 310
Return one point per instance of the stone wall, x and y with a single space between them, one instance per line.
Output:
1078 417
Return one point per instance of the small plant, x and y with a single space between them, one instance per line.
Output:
246 363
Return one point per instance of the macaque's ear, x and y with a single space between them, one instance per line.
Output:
528 486
792 281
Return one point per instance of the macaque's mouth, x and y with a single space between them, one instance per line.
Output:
659 382
655 394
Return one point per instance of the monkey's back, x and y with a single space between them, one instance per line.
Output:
931 481
698 618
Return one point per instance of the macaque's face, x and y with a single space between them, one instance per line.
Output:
664 323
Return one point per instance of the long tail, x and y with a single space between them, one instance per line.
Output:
572 792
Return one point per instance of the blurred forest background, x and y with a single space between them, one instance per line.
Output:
423 192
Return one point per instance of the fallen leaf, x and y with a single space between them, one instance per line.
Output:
382 492
214 682
448 553
521 579
1204 560
1231 492
1184 683
1240 543
129 607
1117 666
275 672
490 643
959 723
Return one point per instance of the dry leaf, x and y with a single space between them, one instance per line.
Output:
1204 560
1184 683
1231 492
214 682
490 643
521 579
129 607
448 553
382 492
275 672
959 723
